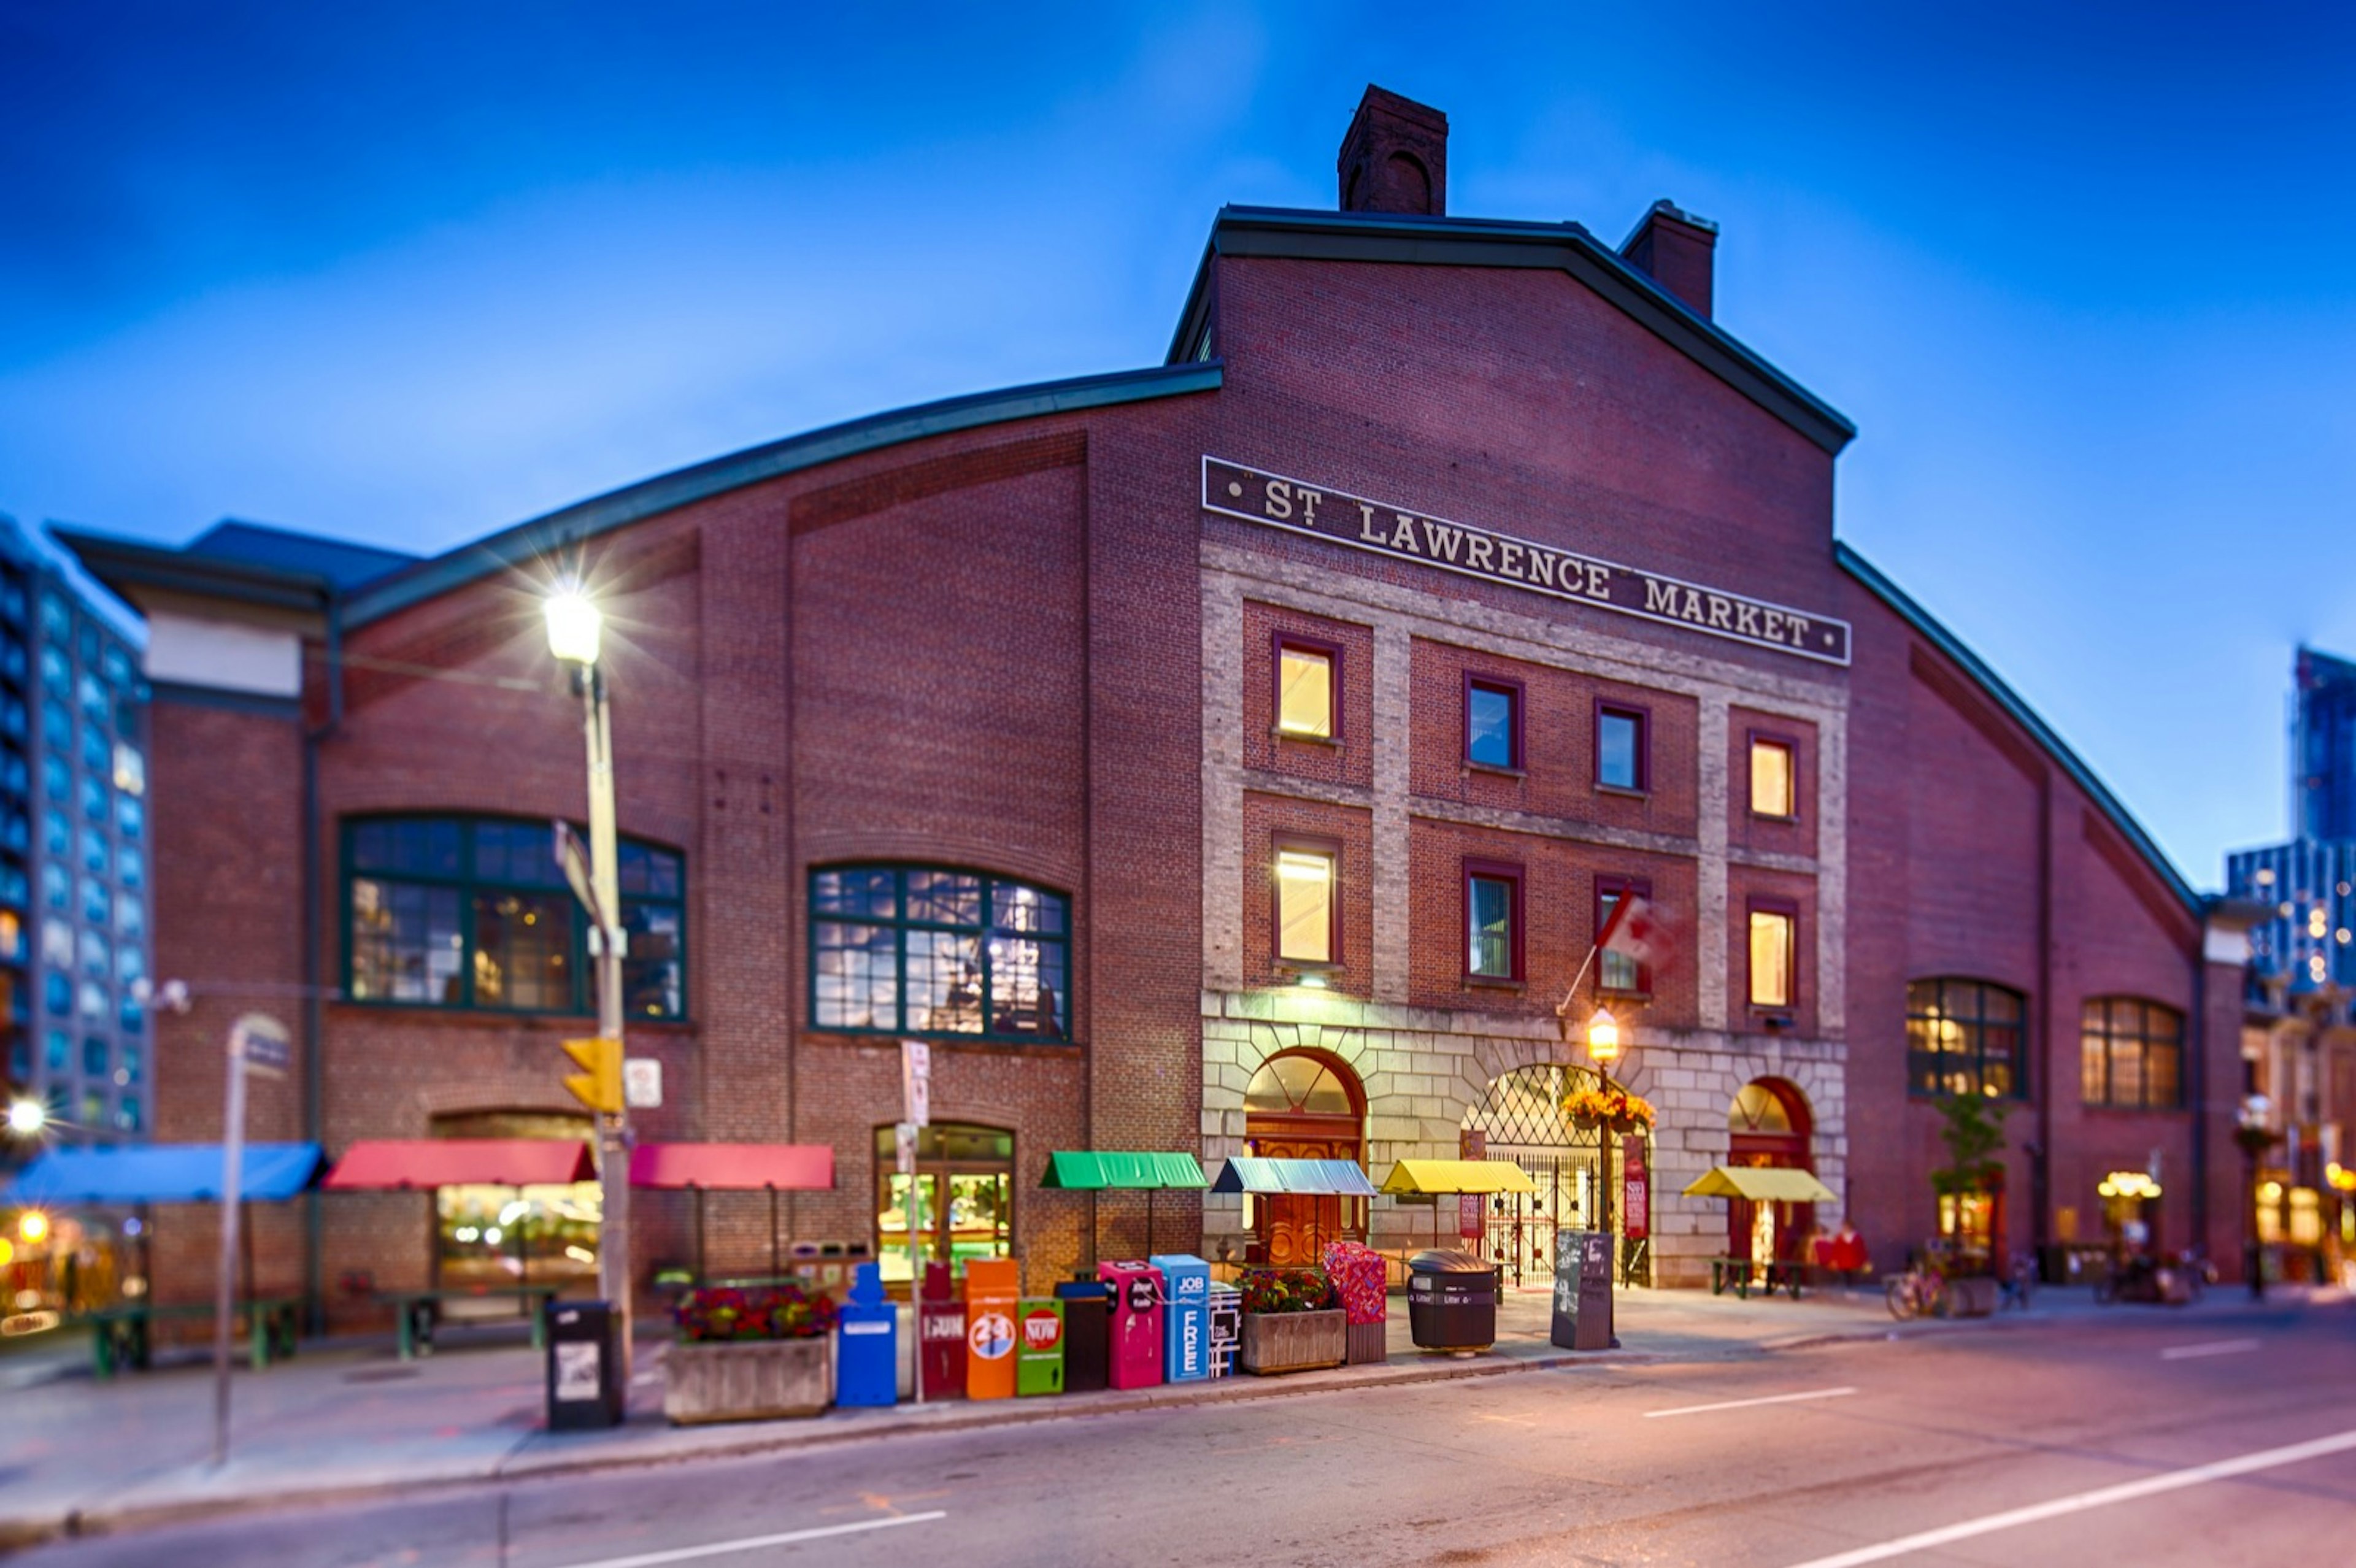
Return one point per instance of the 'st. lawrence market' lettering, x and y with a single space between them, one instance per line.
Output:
1236 491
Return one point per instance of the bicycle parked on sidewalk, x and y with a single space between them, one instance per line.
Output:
1919 1292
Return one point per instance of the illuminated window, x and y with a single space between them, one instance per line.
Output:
1774 788
2130 1054
1620 749
1306 692
926 950
1771 954
1964 1037
1493 900
1305 910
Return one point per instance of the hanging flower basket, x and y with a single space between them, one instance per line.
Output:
1588 1109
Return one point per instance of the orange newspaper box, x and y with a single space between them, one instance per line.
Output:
993 1291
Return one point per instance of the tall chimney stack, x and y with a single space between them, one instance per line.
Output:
1675 249
1395 158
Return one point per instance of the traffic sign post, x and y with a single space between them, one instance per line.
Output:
257 1043
916 1104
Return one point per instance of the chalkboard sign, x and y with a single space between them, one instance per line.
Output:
1582 1290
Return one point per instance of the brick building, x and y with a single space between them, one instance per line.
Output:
1240 753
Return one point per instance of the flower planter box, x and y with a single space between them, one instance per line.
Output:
1295 1341
748 1380
1974 1297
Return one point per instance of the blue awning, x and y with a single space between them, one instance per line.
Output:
1328 1177
163 1173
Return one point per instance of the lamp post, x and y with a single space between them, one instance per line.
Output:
2251 1131
575 631
26 1118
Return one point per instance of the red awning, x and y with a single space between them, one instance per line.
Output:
419 1164
743 1168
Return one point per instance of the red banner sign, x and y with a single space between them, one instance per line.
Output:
1635 1192
1472 1211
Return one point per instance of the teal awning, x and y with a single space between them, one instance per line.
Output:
1330 1177
1101 1170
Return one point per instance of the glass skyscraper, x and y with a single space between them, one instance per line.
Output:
75 950
2323 748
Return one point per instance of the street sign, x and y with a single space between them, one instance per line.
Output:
916 1082
642 1083
263 1042
906 1133
573 857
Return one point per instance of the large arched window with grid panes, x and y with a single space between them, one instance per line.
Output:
473 913
935 950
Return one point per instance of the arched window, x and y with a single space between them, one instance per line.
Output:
2131 1054
473 912
1964 1037
927 950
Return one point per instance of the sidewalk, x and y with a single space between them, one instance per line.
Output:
348 1420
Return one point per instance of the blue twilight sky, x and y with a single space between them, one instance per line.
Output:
407 273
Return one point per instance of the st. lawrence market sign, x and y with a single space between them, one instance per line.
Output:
1235 491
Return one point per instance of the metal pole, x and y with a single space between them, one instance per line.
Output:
225 1273
613 1273
776 1272
915 1289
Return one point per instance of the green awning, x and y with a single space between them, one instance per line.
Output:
1101 1170
1328 1177
1761 1184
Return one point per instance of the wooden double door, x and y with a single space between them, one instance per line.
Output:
1293 1227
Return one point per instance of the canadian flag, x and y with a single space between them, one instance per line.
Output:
1638 929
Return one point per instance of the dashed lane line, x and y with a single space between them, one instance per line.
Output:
755 1542
1745 1403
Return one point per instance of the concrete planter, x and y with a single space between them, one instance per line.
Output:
748 1380
1974 1296
1295 1341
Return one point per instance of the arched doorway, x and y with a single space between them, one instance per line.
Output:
1768 1124
1520 1119
1302 1104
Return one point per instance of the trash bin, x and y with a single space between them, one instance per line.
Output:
941 1336
993 1290
867 1350
1186 1288
1087 1329
586 1386
1039 1353
1223 1314
1135 1360
1451 1301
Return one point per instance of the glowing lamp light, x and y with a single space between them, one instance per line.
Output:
1311 981
1603 1035
32 1227
26 1118
574 627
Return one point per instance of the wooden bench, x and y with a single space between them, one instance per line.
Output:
1734 1273
415 1312
123 1336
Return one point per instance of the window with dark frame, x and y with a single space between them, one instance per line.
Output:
934 950
2131 1054
1492 722
1774 778
1618 973
1966 1036
473 913
1308 688
1620 761
1308 906
1493 921
1774 954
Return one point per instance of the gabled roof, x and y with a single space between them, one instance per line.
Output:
340 561
1304 234
2020 712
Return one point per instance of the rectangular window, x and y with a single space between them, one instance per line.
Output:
1616 970
1493 921
1492 722
2131 1054
1619 748
1774 785
1307 696
406 943
523 951
941 952
1305 907
1772 951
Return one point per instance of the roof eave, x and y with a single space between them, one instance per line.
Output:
124 566
2017 708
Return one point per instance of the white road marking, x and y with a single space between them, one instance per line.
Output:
1745 1403
2102 1496
755 1542
2213 1347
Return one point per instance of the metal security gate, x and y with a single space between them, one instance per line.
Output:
1521 1120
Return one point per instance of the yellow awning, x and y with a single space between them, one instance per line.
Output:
1761 1184
1457 1176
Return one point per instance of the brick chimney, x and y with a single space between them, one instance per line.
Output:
1675 248
1395 158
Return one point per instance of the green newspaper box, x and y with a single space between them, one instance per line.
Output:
1039 1347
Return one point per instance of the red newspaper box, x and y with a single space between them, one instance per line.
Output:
941 1336
993 1290
1136 1356
1360 1277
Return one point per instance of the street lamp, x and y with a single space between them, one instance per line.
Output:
28 1118
575 629
2252 1132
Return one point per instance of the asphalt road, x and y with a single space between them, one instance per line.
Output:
2143 1437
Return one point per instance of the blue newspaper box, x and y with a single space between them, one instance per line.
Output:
1186 1320
868 1363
